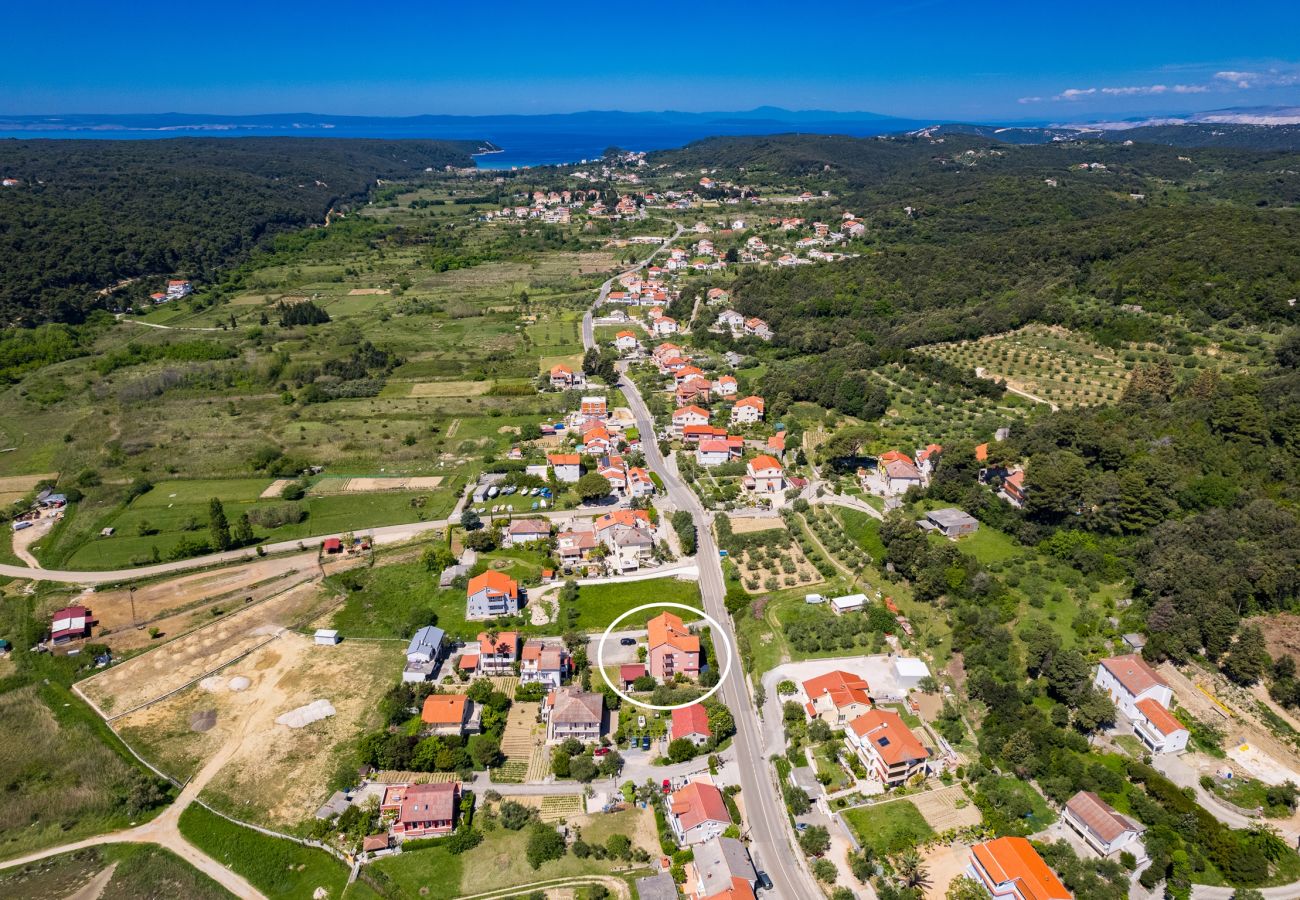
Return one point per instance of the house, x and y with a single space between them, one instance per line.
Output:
693 434
848 603
837 697
758 328
725 386
693 391
493 656
178 288
909 671
1013 488
689 415
927 457
567 467
543 662
422 810
564 378
716 295
373 843
594 406
722 869
626 342
894 474
764 475
1156 727
1128 679
686 373
423 653
691 723
629 535
673 650
490 595
526 531
663 325
71 623
697 813
776 445
888 747
731 319
639 482
326 637
573 713
1105 831
576 544
612 470
447 714
747 411
951 523
630 673
596 440
332 545
712 453
1011 868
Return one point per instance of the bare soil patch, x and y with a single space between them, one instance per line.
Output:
275 488
945 863
750 524
443 389
21 484
946 809
1281 634
367 292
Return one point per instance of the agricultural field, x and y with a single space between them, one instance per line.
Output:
600 604
63 780
111 872
271 773
923 410
888 828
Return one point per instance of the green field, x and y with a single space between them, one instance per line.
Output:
394 600
600 604
275 866
63 779
888 828
142 871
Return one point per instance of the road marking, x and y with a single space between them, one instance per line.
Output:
715 629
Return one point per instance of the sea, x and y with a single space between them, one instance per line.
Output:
520 141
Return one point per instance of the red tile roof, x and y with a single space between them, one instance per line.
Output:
507 642
763 461
1014 859
1133 672
444 709
689 720
889 736
1160 718
697 803
843 688
666 628
495 582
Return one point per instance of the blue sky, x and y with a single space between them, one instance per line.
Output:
915 58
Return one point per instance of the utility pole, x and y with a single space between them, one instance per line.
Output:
133 621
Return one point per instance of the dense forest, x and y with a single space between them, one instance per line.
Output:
86 215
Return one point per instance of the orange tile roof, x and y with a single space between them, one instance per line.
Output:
564 459
1133 672
981 452
756 402
1159 717
666 628
739 890
1014 859
763 461
892 456
777 441
691 409
697 803
561 369
496 582
444 709
889 736
843 688
507 641
632 518
688 720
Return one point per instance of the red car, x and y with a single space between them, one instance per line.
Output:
600 751
668 785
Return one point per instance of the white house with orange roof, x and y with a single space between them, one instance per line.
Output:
725 386
691 723
688 415
747 411
693 391
764 475
1126 680
888 747
543 661
626 342
567 466
836 697
894 475
927 458
758 328
639 482
490 595
491 654
1157 727
663 325
1010 868
697 813
564 378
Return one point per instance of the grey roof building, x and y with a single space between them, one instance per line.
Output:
423 653
950 522
720 860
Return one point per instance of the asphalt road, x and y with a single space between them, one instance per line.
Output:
772 845
588 330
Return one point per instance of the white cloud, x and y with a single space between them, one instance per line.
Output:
1189 88
1139 90
1030 100
1075 93
1248 80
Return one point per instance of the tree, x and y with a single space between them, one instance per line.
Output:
911 870
218 525
582 768
514 815
681 750
482 541
436 557
469 520
243 535
796 800
824 870
485 751
966 888
619 846
544 845
814 840
1248 659
721 723
610 764
1095 711
592 487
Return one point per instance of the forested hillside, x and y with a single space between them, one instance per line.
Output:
968 237
88 214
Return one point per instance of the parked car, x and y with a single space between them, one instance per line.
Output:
668 785
645 742
627 642
764 881
640 721
600 751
